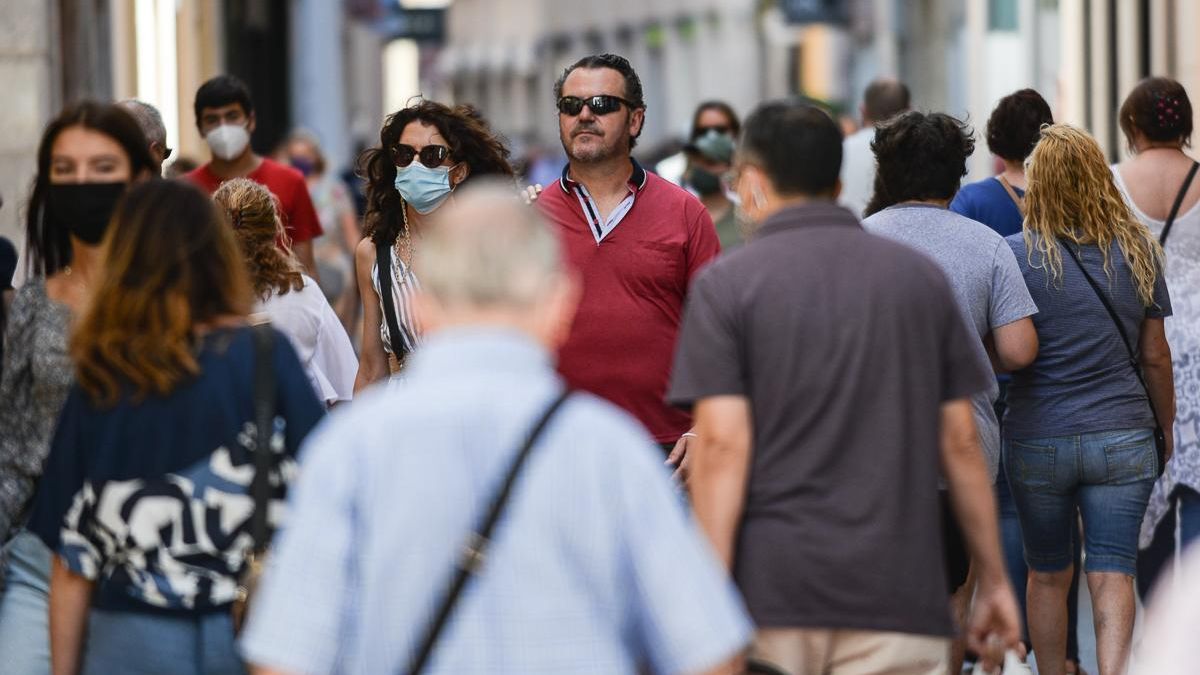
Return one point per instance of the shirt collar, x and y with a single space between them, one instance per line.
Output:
478 350
637 180
807 215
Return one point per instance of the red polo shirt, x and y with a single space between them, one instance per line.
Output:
286 183
634 282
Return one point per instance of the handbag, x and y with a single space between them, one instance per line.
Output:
474 550
1160 437
260 485
1187 182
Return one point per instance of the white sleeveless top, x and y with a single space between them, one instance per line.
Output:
1183 334
404 285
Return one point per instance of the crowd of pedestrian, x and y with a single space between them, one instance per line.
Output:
788 402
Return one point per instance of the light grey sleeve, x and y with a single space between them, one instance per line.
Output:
1010 300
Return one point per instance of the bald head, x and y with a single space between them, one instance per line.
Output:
486 250
884 99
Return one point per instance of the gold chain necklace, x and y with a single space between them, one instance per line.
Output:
403 245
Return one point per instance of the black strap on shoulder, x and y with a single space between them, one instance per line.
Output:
1112 313
383 270
1187 182
264 427
475 549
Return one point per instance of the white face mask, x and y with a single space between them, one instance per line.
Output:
228 141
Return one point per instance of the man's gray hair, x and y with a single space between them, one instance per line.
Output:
486 249
148 118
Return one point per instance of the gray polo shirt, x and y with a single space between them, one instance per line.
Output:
847 345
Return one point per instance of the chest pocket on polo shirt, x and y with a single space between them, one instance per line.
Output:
652 264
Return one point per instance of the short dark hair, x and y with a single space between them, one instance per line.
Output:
797 144
919 156
221 91
633 83
884 99
1016 124
735 125
1160 109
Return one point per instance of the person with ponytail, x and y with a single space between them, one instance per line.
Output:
426 151
284 294
1082 420
1159 183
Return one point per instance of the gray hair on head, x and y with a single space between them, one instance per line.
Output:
148 118
487 250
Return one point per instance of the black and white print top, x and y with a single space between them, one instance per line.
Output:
150 497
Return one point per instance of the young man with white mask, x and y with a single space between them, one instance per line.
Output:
225 118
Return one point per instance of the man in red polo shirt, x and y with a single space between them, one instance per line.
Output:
635 239
225 118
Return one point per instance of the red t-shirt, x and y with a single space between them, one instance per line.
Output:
286 183
634 283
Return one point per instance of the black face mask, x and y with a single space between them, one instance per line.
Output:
83 208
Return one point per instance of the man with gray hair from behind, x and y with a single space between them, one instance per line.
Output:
151 122
592 566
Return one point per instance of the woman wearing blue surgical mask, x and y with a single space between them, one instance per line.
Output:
87 158
426 152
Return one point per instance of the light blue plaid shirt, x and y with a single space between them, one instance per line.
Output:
594 568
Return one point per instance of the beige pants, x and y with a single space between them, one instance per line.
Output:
815 651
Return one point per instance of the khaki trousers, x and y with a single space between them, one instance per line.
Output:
816 651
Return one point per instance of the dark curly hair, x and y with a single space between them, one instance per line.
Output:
470 140
1160 109
1016 124
920 156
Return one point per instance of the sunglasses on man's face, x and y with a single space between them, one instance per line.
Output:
431 156
600 105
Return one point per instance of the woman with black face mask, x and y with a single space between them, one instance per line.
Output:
87 158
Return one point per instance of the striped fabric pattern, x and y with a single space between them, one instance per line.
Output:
404 285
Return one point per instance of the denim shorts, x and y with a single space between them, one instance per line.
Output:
1107 475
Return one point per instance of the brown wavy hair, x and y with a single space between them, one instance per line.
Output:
252 212
1072 196
470 140
170 264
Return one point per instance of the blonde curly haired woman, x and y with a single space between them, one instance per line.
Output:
286 296
1080 427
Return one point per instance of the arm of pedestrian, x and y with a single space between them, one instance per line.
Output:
70 598
678 456
1015 345
720 465
1155 358
995 623
531 192
372 363
263 670
304 253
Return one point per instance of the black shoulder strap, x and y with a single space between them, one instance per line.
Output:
475 548
383 270
1187 182
264 426
1112 313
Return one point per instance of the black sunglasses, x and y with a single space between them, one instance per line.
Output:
719 128
602 104
431 156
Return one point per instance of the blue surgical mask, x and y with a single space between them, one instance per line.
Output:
423 187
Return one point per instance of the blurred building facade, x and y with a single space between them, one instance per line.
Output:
310 63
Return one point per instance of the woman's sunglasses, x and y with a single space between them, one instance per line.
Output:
600 105
431 156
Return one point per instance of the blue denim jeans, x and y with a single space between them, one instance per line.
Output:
25 609
1106 475
135 643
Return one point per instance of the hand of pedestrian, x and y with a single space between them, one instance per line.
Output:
679 457
1169 436
995 624
531 192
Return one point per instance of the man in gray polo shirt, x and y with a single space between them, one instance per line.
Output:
830 372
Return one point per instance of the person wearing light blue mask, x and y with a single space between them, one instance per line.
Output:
426 152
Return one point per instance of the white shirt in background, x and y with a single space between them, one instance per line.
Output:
318 338
858 170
